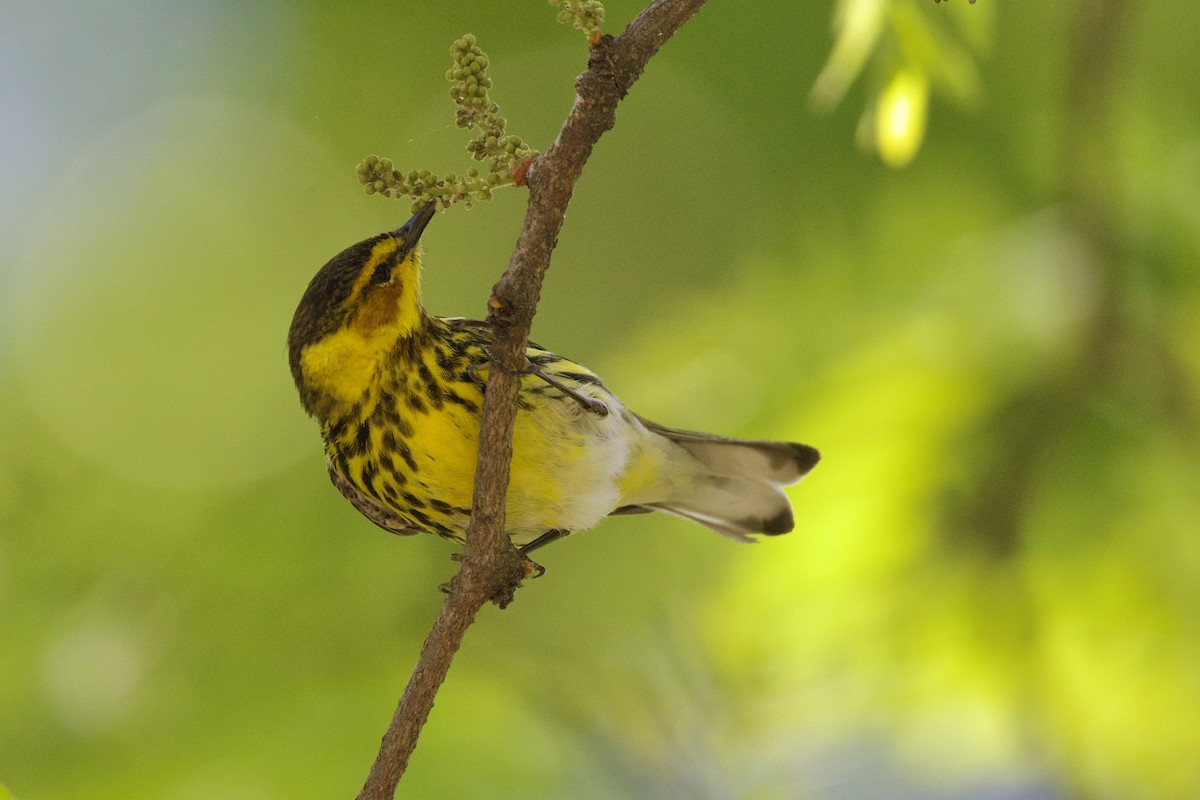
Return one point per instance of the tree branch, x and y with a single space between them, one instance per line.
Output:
491 566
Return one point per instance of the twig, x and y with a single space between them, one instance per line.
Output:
491 567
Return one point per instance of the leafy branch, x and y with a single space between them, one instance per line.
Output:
492 568
509 155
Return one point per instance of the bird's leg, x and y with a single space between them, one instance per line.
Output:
589 404
546 538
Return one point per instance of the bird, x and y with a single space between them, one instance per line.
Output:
398 394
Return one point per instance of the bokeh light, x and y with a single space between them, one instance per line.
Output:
147 305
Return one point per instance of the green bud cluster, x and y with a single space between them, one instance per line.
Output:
469 81
380 176
509 155
469 84
583 15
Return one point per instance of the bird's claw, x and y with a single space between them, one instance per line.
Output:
531 568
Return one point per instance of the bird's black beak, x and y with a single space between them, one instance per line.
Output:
411 231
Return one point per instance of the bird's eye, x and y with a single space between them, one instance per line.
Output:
383 273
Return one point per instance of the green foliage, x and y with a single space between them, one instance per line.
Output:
508 154
910 49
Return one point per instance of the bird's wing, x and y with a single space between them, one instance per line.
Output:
368 506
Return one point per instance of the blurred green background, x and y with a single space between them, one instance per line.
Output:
992 589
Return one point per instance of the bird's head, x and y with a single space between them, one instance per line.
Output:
356 308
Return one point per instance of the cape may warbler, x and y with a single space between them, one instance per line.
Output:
398 395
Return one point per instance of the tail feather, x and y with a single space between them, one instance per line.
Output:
740 493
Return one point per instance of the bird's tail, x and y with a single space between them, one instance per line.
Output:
737 493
